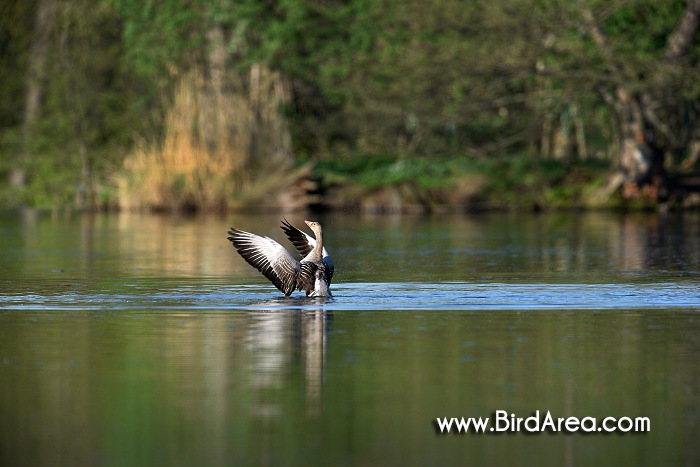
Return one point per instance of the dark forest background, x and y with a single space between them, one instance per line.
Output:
371 104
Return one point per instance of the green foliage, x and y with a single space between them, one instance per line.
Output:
374 171
522 181
161 37
382 93
16 18
509 180
641 29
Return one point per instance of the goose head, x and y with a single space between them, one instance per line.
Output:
315 227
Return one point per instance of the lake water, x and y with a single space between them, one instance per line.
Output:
145 340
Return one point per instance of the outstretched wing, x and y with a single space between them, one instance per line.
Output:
268 257
304 243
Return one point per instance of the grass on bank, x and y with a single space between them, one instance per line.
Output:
516 181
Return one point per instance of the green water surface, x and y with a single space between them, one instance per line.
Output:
144 340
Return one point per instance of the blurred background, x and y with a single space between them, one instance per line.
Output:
141 339
220 105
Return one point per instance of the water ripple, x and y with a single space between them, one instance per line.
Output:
367 296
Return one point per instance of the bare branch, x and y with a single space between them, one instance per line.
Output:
682 37
660 126
601 40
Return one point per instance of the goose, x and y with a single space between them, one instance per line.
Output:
312 274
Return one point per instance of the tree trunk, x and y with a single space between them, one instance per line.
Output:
85 196
36 74
216 114
640 159
682 37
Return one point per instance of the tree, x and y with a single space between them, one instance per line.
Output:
75 110
641 96
268 81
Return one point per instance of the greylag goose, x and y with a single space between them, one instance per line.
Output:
312 274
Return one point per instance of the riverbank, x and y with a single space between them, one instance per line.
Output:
493 184
388 184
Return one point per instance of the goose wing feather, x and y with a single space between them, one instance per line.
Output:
268 257
304 243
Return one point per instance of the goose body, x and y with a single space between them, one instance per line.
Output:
312 274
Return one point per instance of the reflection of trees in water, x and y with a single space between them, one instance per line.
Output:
450 247
180 245
165 377
599 242
660 243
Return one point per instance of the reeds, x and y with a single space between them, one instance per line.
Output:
226 146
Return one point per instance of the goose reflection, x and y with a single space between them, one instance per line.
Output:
282 333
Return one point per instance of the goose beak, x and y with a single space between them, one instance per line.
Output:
308 223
